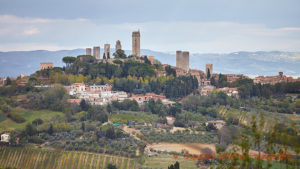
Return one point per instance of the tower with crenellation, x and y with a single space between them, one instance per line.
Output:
106 51
118 45
136 43
183 60
209 67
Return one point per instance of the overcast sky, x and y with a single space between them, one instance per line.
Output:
199 26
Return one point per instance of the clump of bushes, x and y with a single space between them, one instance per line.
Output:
15 117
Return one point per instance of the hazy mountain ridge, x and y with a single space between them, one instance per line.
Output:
249 63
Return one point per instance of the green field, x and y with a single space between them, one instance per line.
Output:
244 117
6 124
2 117
47 159
124 117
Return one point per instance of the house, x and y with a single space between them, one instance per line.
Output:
5 137
77 101
167 102
2 81
77 88
170 120
229 91
218 124
206 90
100 88
141 98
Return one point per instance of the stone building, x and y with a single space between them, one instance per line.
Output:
136 44
142 98
183 60
46 65
151 59
118 45
233 77
273 79
210 68
88 51
96 52
5 137
107 51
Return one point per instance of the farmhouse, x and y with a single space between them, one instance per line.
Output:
5 137
218 124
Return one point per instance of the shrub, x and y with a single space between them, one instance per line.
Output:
35 139
15 117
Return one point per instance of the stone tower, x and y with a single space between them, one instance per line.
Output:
88 51
96 52
183 60
118 45
136 46
151 59
107 51
210 68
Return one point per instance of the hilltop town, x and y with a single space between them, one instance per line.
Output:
206 79
130 111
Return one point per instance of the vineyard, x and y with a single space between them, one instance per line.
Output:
47 159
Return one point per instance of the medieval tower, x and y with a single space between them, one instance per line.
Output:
209 67
107 51
88 51
118 45
136 46
183 60
96 52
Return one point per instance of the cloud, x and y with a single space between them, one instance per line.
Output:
20 20
14 19
196 37
31 31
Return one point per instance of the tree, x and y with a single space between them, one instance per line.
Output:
8 81
37 121
210 127
30 130
120 54
83 105
111 166
170 71
108 108
68 60
174 166
208 74
83 126
50 129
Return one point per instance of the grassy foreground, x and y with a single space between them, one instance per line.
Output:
47 159
6 124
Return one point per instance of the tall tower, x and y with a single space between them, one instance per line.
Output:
210 68
183 60
88 51
136 46
107 51
96 52
118 45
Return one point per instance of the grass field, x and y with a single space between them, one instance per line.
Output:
46 159
2 117
7 124
124 117
245 117
162 161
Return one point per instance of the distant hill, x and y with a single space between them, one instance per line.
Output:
250 63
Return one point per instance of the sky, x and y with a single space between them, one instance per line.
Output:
198 26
